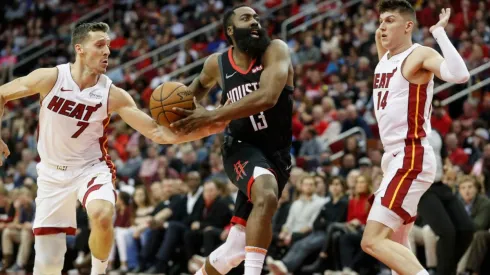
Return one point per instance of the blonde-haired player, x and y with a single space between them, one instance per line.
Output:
402 94
77 101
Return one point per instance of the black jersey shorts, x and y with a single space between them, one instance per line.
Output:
240 159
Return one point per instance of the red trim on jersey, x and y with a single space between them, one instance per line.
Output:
39 120
91 182
251 182
104 150
249 187
417 97
238 220
274 173
39 231
400 184
235 66
90 190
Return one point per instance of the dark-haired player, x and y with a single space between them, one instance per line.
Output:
256 75
77 101
402 94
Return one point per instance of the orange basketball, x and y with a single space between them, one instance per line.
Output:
167 96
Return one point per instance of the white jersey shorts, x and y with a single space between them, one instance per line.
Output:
59 188
408 171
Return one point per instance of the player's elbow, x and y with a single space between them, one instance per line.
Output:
267 102
464 77
169 139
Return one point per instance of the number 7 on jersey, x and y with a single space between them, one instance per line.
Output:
83 126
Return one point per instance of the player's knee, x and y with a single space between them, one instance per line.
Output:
264 194
267 201
48 265
368 244
50 253
100 214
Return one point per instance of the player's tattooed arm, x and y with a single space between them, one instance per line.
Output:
122 103
277 62
40 81
207 79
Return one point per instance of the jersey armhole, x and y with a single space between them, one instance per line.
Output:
41 98
223 86
108 97
403 63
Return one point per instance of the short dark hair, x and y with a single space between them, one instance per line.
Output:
401 6
227 20
81 31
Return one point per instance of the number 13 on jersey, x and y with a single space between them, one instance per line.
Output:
260 123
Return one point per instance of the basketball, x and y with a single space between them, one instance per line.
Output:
167 96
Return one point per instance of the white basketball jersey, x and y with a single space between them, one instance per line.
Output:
72 123
402 108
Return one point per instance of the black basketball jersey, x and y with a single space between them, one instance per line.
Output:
270 130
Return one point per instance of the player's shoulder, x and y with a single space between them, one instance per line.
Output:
424 52
116 90
277 50
118 97
212 60
45 74
277 45
42 79
211 63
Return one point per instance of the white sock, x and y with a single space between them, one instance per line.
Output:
98 266
254 260
423 272
201 271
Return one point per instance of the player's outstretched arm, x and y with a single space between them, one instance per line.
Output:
272 81
207 79
122 103
40 81
451 67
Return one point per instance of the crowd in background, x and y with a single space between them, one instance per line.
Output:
175 202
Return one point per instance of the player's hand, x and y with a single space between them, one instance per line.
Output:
443 19
4 150
193 119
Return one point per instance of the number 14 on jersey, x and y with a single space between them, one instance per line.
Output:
382 102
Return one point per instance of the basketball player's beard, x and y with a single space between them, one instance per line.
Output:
251 45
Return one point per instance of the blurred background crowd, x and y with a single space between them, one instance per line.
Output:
175 202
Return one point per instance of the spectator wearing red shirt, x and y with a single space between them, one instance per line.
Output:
358 209
462 19
319 123
456 154
440 120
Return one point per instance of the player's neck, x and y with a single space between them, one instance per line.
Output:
82 76
403 47
240 58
